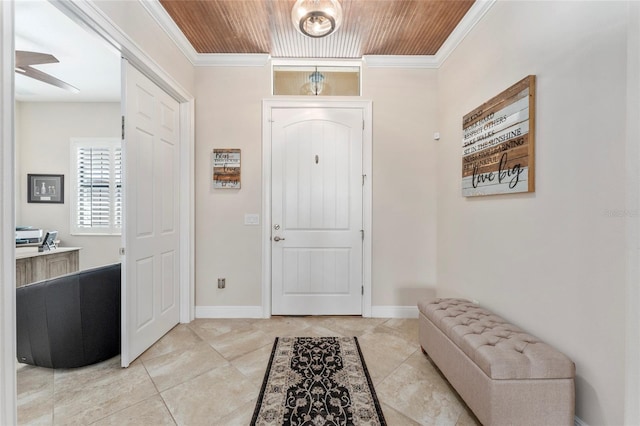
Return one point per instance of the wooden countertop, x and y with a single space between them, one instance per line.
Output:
25 252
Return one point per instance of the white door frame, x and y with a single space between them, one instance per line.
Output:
90 16
367 155
8 415
632 368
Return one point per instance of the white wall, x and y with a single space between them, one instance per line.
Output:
552 261
404 183
228 114
43 135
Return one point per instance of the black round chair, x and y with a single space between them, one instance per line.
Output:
70 321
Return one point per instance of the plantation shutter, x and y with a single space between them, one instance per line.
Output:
117 203
98 187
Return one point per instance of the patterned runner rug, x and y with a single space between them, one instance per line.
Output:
317 381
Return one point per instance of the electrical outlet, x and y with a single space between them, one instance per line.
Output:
222 282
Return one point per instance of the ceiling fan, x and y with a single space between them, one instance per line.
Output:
25 59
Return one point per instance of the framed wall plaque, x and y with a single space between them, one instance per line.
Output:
226 168
498 143
45 188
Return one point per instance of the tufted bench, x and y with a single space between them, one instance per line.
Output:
506 376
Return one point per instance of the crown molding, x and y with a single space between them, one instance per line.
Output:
401 61
471 18
316 61
231 60
162 17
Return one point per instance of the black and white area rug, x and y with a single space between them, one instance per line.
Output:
317 381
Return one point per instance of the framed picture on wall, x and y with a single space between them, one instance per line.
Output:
498 143
226 168
45 188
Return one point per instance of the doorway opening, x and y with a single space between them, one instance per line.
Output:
93 20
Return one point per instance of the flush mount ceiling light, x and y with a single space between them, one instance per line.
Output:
316 18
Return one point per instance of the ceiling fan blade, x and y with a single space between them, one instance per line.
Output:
46 78
24 58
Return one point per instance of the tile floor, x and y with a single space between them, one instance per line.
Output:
209 372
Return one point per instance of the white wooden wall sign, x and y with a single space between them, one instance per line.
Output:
498 143
226 168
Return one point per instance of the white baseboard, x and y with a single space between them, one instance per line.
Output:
229 312
394 311
578 422
256 312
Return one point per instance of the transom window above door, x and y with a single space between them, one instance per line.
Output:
316 80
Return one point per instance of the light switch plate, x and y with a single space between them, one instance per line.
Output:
252 219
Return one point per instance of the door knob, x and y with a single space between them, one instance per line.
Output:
276 239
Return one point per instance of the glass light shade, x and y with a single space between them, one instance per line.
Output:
316 18
316 80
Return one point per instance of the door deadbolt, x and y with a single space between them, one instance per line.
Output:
276 227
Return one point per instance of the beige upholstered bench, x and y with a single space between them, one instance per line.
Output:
506 376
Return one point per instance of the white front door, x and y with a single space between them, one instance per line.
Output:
316 218
151 153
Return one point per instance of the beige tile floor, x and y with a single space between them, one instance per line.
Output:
209 372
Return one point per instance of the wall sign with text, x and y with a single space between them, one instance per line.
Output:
498 143
226 168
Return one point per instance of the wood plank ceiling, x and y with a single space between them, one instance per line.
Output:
370 27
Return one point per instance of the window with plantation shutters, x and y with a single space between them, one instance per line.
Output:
96 168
